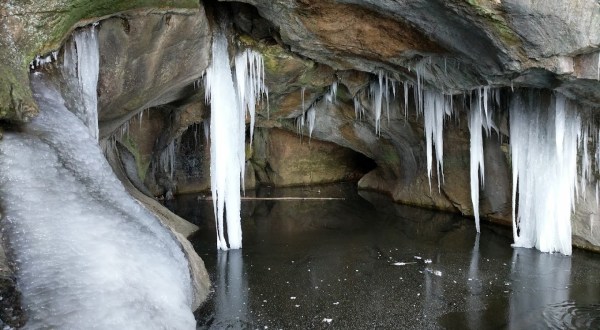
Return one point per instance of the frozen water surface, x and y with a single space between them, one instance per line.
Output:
337 259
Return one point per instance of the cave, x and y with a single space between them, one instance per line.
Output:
382 164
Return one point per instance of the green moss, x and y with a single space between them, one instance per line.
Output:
42 28
78 10
141 164
16 100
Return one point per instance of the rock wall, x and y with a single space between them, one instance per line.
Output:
154 53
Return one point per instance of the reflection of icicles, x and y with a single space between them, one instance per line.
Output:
231 299
82 58
435 107
474 301
545 204
250 75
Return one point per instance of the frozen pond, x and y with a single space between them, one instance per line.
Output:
365 262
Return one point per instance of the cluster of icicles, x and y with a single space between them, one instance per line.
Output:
231 96
545 136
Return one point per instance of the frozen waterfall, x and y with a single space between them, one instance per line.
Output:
544 136
229 102
87 254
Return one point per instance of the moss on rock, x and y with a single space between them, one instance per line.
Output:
31 28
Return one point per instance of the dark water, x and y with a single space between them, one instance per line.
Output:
330 264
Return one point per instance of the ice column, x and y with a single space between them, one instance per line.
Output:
229 103
544 162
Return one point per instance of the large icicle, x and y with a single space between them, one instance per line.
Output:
477 165
82 59
229 103
226 151
480 117
435 108
544 161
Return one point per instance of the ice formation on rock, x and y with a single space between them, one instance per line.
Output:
480 117
82 60
86 253
229 103
379 91
435 107
544 135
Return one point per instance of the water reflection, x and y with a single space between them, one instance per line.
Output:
474 300
538 280
231 290
304 262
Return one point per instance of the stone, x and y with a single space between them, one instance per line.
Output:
31 29
149 59
286 159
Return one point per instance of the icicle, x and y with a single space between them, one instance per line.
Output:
310 118
476 153
249 74
229 103
227 153
405 99
544 173
332 94
435 108
358 109
206 126
167 160
380 94
82 59
598 74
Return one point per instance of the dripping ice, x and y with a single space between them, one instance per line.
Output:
230 97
